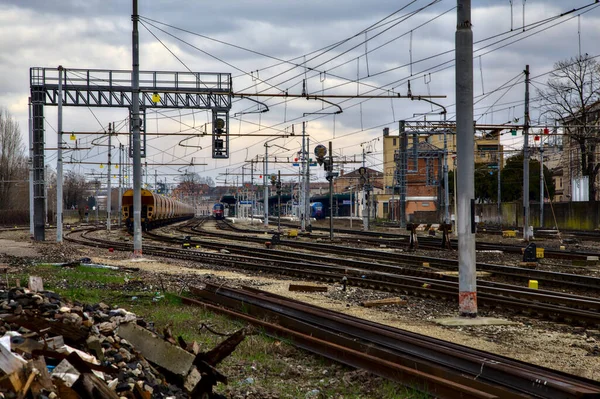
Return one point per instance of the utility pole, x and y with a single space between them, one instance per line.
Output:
307 186
135 125
445 171
302 196
541 181
31 215
526 160
330 178
109 189
278 186
120 183
59 162
266 192
467 283
499 159
365 192
252 188
46 194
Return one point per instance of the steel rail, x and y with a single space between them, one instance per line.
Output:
544 277
484 366
543 296
373 280
396 371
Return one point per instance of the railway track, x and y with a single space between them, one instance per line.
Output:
545 278
393 240
440 368
553 306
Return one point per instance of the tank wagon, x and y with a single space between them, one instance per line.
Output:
157 210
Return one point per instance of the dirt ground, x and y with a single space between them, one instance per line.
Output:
573 350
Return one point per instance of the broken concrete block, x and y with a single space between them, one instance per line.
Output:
156 350
192 379
36 284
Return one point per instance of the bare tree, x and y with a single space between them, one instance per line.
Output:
572 99
74 189
13 165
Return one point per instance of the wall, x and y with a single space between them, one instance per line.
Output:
563 215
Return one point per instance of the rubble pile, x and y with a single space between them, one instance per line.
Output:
50 348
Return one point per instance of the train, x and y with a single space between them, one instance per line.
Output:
157 210
317 210
218 211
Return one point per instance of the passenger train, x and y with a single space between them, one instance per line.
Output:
218 211
157 210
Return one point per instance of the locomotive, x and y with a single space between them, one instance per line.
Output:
218 211
157 210
317 210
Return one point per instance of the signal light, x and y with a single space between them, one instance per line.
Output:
546 130
513 132
536 138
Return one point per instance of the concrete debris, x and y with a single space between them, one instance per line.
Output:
50 348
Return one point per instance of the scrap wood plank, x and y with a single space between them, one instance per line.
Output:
89 385
70 333
383 302
307 288
13 381
221 351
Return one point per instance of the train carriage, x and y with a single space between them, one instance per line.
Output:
156 210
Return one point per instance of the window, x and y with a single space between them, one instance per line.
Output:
394 142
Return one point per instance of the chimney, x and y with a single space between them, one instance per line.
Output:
386 131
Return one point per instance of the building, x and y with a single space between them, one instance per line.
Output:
576 180
424 174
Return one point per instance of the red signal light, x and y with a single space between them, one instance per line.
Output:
546 130
537 138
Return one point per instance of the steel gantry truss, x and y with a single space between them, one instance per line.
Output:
114 88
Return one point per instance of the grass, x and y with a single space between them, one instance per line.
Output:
274 365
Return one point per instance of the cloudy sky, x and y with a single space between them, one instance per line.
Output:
340 47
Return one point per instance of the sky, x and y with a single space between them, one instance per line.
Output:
342 47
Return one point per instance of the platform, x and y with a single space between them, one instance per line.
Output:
474 321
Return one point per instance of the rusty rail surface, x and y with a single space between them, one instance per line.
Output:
501 377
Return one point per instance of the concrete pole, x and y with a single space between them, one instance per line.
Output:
266 193
526 160
109 188
120 184
279 201
307 185
59 162
467 297
499 162
252 189
31 215
445 171
46 194
365 205
135 122
330 192
541 182
302 196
